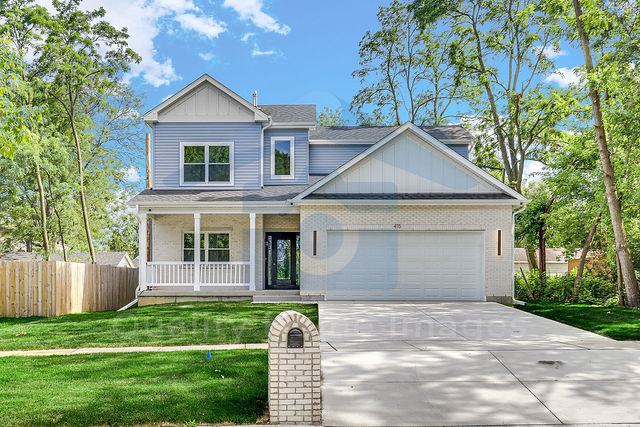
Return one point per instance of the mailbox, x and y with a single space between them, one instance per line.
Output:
295 338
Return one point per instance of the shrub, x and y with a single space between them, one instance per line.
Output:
591 289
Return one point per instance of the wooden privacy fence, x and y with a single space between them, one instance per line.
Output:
52 288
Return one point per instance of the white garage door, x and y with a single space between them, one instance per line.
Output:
405 265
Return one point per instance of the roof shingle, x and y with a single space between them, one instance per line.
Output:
448 134
304 113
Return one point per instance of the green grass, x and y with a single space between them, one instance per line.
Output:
618 323
134 388
166 324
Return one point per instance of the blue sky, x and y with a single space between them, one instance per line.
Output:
290 51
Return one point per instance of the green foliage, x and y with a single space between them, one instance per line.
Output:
592 289
74 82
17 121
124 234
332 117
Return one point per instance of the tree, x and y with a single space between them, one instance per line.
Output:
332 117
16 121
503 47
124 234
599 24
83 58
404 71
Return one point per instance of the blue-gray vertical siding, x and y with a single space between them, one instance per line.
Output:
300 154
166 151
324 159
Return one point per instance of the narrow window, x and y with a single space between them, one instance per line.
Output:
282 157
219 163
499 242
315 243
194 164
218 247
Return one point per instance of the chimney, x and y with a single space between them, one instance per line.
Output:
255 98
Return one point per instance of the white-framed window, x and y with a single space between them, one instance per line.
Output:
206 163
282 157
214 246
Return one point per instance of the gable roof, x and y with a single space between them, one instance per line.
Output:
436 144
451 134
303 114
152 115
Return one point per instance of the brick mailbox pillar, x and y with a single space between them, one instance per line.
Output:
294 370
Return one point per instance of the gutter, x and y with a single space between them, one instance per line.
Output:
262 151
513 254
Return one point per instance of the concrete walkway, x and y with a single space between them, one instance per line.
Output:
470 363
144 349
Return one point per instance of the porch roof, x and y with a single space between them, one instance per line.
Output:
269 193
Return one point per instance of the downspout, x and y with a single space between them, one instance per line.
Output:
513 255
262 151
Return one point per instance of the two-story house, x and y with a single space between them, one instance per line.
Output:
252 200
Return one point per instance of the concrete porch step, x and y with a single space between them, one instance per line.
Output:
264 296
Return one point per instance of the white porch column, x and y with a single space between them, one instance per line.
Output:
142 251
196 252
252 251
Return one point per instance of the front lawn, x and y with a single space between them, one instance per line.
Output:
614 322
134 388
166 324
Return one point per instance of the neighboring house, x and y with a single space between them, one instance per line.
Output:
344 212
557 261
115 259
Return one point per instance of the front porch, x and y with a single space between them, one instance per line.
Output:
235 257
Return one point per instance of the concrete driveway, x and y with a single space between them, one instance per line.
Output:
470 363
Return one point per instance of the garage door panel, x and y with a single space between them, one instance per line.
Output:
405 265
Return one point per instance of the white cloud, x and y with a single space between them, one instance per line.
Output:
145 20
245 38
564 77
252 10
206 56
203 25
551 52
131 174
257 52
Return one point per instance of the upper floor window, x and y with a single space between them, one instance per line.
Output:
206 163
282 157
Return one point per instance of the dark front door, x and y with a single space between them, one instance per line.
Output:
281 264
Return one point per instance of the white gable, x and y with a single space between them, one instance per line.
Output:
406 164
206 103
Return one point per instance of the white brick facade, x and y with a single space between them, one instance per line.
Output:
294 373
498 269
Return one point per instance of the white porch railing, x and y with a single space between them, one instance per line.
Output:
211 273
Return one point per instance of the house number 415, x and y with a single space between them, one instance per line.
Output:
397 226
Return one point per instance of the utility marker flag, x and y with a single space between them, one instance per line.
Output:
208 355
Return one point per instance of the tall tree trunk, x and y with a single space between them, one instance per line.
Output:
619 278
531 258
622 244
83 201
60 229
43 213
542 243
583 255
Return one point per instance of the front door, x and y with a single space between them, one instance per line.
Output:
282 267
